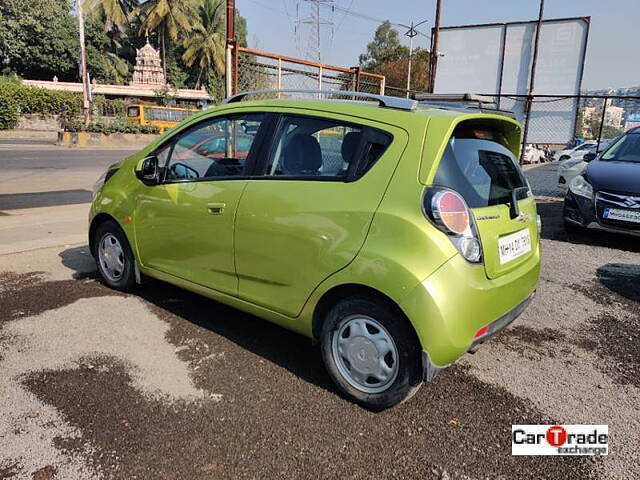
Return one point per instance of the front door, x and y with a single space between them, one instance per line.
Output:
185 226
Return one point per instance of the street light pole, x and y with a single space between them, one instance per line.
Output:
83 66
412 32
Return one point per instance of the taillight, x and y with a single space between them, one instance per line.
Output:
448 211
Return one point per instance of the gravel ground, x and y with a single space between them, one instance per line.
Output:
166 384
543 178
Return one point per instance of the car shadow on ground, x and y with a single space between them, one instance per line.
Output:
623 279
287 349
550 211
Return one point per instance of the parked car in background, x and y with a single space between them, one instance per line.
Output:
606 195
394 246
533 154
574 152
570 168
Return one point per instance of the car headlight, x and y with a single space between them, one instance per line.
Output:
580 186
102 179
571 163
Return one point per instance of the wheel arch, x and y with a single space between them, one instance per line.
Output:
98 220
346 290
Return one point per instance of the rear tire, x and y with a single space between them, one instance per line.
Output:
114 257
371 352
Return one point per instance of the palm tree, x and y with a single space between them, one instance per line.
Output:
204 45
115 12
169 17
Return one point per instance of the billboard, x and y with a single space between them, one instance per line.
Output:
497 59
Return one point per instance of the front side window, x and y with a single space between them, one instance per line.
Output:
317 148
483 171
215 148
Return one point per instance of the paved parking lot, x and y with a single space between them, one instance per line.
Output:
166 384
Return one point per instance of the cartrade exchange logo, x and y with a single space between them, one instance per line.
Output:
559 440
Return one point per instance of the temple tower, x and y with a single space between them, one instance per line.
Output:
148 69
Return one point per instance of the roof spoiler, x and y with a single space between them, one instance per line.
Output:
462 101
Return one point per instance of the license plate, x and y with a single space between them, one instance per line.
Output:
624 215
514 245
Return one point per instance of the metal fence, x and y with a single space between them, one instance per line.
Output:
558 120
549 121
257 70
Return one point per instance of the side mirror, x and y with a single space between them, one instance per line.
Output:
147 170
589 156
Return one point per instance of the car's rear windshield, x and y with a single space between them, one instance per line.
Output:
483 171
626 149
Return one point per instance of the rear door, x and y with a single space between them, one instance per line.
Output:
476 165
308 212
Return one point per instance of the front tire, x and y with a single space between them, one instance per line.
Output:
371 352
114 257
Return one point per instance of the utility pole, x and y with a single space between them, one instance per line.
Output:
83 66
434 47
412 32
229 47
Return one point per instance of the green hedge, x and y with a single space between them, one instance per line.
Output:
115 127
38 100
26 99
8 112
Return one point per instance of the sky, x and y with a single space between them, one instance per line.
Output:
612 59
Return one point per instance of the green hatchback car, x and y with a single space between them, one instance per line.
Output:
397 235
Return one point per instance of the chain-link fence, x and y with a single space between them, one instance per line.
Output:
256 70
551 121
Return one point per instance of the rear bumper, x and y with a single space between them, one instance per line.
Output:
449 307
431 371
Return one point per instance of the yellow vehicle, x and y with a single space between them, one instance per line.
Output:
162 117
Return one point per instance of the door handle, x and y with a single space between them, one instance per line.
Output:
216 208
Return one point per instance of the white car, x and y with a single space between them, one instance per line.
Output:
568 170
575 151
533 154
573 166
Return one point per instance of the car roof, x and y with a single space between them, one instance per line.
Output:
367 109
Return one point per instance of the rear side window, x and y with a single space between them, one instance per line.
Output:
483 171
316 148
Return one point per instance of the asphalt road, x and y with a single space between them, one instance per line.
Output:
163 383
44 168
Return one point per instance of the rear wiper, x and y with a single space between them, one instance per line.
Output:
514 208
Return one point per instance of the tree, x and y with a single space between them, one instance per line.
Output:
385 47
387 56
205 44
105 56
170 17
39 39
114 12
